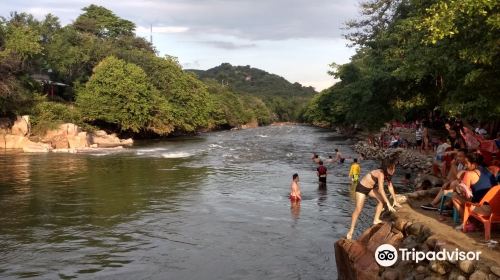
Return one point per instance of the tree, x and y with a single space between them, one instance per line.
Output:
103 23
19 45
413 56
118 93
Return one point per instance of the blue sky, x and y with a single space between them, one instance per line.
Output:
296 39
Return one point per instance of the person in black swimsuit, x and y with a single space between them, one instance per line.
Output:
372 184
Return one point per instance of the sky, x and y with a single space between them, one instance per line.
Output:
296 39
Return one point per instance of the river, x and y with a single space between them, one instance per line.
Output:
214 206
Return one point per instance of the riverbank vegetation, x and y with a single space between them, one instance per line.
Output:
413 57
283 98
97 73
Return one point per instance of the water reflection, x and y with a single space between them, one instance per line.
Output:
352 190
322 193
295 209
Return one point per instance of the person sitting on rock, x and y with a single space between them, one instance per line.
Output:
372 184
455 175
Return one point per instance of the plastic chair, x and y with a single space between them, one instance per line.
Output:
444 198
493 199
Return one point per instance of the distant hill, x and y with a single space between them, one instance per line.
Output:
285 100
254 81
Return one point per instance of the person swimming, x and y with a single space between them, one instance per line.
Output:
330 160
372 184
338 156
355 170
295 189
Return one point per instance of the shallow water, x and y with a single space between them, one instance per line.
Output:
208 207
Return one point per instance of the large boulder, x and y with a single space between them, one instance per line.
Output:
15 141
81 140
355 258
36 147
21 126
59 142
104 140
65 129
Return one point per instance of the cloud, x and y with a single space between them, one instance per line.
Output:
191 65
227 45
243 19
161 29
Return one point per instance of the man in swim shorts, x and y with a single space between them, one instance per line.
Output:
295 189
338 156
321 172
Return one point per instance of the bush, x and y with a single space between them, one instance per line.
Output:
49 115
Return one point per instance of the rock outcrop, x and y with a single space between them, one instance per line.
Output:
355 258
407 158
21 126
67 137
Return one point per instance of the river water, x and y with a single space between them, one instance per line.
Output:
213 206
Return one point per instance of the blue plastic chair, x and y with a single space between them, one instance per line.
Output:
444 198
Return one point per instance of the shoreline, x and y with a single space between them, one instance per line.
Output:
70 138
409 228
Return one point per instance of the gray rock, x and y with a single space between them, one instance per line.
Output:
421 269
439 267
455 275
467 266
390 274
479 275
495 270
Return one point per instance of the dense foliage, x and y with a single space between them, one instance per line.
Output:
414 56
284 99
97 72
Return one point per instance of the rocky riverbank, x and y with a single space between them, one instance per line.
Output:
407 228
67 137
407 158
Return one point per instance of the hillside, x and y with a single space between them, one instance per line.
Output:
246 79
285 99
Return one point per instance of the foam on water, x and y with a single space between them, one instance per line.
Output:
215 146
152 150
176 155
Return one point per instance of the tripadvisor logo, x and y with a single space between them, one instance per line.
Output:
387 255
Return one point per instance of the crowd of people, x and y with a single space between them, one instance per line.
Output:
370 185
468 179
468 167
429 132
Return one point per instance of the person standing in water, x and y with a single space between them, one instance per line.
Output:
295 195
338 156
321 172
316 158
372 184
355 170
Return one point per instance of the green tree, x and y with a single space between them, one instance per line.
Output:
103 23
118 93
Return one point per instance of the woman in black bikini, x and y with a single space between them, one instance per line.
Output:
368 187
